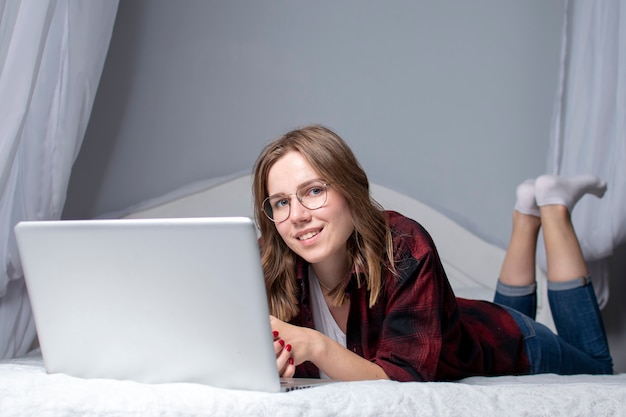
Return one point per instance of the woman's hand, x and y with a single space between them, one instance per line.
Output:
295 344
298 340
284 361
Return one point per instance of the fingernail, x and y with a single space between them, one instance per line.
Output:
288 347
291 361
275 333
282 342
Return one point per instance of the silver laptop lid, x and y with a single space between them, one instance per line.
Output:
151 300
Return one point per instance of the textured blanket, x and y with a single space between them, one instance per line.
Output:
27 390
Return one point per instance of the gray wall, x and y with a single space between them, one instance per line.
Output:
447 101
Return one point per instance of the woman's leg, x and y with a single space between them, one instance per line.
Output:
572 299
556 198
516 287
581 346
563 254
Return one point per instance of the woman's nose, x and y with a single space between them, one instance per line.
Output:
298 211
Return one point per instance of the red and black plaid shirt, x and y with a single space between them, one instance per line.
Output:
418 330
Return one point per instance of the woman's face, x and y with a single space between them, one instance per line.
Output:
319 236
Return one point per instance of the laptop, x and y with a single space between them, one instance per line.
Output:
152 300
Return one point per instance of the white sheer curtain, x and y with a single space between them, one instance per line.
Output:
51 57
589 125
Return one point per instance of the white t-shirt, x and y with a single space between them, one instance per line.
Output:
323 321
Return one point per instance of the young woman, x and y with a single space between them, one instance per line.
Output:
356 292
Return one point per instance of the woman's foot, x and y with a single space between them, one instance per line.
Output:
525 202
566 191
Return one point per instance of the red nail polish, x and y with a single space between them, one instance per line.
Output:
282 342
275 333
291 361
288 347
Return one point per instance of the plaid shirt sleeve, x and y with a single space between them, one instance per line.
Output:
403 333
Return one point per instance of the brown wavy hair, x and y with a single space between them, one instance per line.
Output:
370 245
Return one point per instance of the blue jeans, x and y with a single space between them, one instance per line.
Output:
580 347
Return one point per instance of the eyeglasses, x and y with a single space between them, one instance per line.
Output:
312 195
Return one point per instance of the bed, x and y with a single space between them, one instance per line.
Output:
27 390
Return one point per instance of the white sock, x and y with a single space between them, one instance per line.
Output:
525 202
553 189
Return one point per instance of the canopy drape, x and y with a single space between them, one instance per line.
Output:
588 129
51 57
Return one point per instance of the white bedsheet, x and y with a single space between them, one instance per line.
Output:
26 390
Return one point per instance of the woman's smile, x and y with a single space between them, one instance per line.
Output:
305 236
